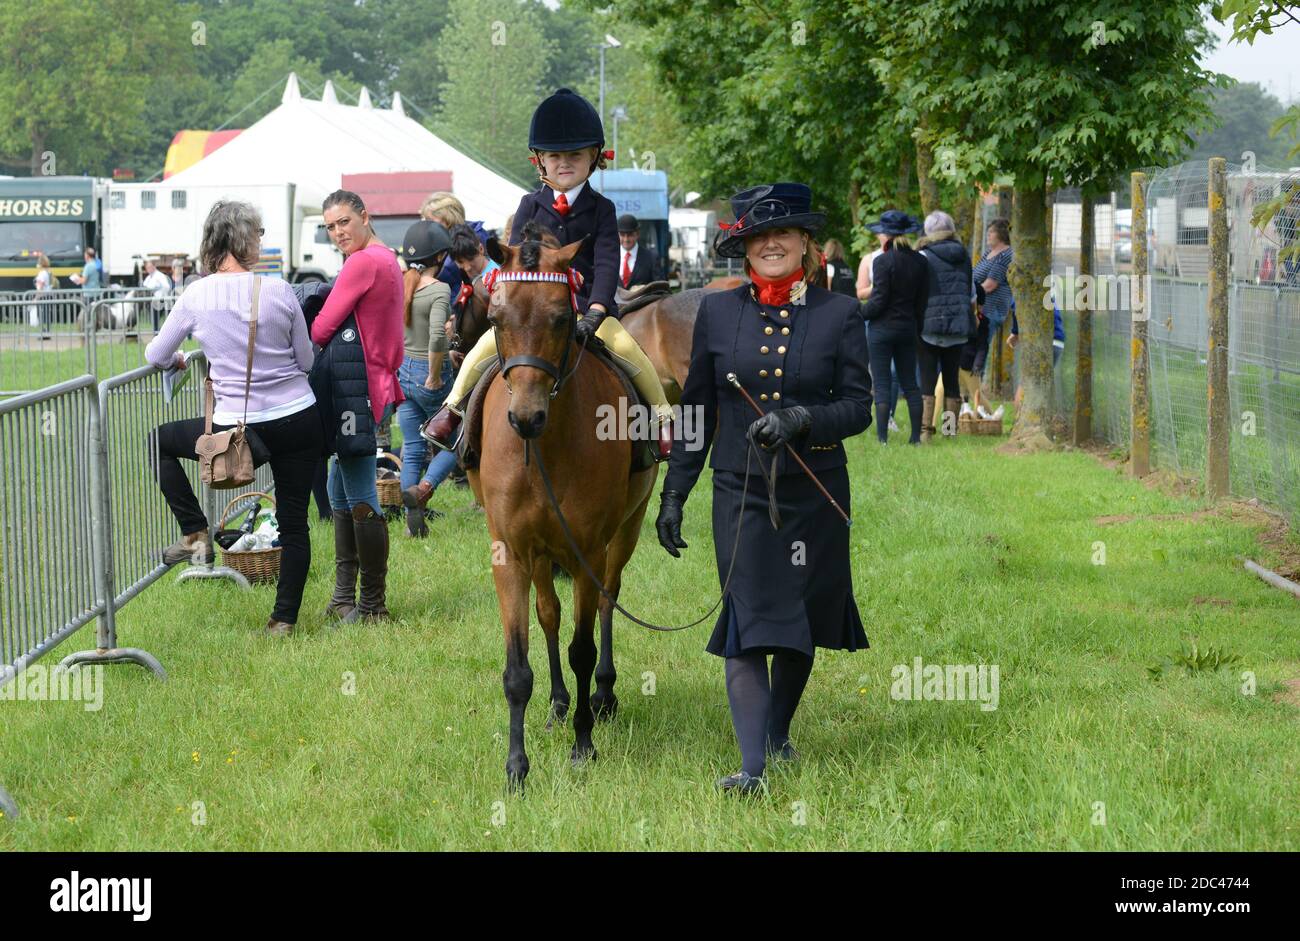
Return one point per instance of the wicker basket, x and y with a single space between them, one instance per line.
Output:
970 425
256 565
390 489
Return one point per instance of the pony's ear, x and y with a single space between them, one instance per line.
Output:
495 250
564 256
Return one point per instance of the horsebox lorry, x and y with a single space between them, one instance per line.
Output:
127 223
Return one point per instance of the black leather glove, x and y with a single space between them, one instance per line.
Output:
669 523
586 327
782 426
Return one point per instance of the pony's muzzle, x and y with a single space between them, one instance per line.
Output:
528 426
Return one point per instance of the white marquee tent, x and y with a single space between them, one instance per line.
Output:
313 143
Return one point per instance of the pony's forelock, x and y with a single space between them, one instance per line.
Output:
535 238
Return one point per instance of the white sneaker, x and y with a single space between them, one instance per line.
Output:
893 425
965 410
982 412
997 415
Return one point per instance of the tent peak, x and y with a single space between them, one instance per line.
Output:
328 96
363 100
291 91
397 104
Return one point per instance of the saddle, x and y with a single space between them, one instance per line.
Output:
469 448
630 299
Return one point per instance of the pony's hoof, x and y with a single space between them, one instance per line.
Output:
604 707
559 712
516 771
581 756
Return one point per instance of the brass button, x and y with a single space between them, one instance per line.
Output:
776 395
779 349
780 373
763 349
767 330
763 396
762 374
785 331
785 313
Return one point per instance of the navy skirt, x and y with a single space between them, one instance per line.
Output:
791 588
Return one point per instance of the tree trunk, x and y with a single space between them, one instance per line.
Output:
903 191
925 174
977 228
1005 202
962 213
1029 272
1083 328
38 151
1218 437
855 203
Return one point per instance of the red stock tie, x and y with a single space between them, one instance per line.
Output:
561 205
627 270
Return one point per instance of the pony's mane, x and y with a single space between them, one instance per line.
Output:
534 239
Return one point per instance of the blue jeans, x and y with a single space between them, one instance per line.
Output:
419 407
891 395
352 479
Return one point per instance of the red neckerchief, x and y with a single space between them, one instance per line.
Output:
776 293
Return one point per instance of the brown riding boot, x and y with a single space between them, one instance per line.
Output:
276 628
927 418
414 499
372 549
443 429
344 600
950 405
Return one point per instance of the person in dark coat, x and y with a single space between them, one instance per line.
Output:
949 319
800 352
894 312
637 263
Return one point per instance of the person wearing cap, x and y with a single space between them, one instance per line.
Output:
566 138
425 373
800 352
895 314
636 264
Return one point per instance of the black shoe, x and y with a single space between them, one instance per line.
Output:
786 752
743 783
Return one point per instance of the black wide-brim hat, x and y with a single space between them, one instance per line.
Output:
769 206
894 222
565 121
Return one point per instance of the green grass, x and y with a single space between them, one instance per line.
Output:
961 555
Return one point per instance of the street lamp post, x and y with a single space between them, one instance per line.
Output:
620 114
609 43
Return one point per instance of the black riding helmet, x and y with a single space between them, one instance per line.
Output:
565 121
425 241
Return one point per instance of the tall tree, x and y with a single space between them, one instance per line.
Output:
1058 93
73 86
763 93
494 73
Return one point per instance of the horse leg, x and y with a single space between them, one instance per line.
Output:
512 597
605 703
548 615
582 659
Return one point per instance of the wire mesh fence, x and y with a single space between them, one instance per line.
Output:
1263 339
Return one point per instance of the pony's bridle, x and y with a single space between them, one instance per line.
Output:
573 278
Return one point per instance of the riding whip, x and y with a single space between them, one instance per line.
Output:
731 378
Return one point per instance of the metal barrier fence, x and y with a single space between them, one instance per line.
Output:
83 520
45 340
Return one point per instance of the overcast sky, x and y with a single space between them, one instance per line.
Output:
1273 61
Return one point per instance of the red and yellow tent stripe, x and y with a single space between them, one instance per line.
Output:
189 147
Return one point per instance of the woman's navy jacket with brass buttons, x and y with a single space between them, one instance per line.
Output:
820 363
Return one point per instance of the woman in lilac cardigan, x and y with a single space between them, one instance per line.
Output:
280 410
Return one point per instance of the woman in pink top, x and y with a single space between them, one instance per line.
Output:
369 289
